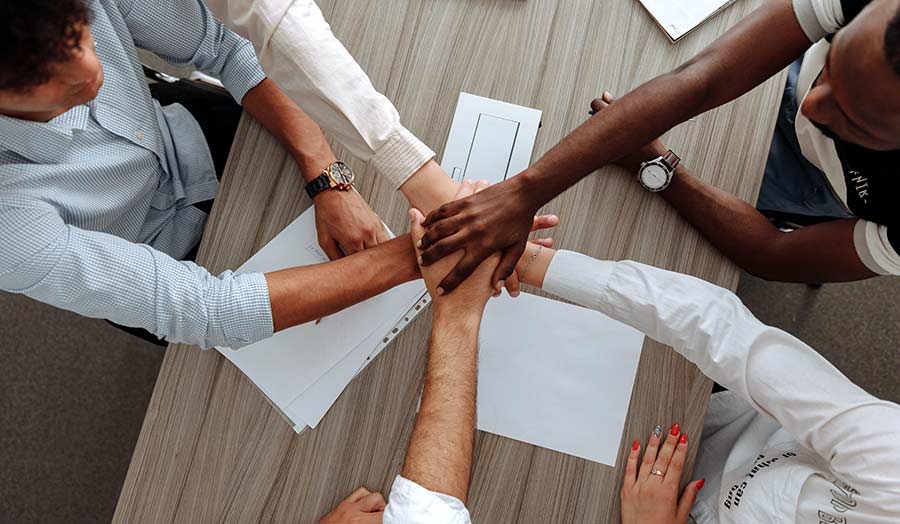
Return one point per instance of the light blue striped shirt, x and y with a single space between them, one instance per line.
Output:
96 205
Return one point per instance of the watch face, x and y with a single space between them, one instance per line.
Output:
341 173
654 176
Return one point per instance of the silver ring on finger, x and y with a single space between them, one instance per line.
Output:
658 472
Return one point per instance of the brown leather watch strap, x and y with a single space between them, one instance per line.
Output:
671 160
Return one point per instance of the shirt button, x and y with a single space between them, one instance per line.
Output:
139 135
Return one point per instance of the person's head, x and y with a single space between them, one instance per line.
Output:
48 64
857 97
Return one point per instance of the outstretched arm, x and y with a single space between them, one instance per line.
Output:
497 219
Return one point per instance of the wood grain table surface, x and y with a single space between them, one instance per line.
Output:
212 449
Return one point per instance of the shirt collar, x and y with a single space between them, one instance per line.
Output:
42 142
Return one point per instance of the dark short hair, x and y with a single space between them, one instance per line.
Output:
892 42
36 35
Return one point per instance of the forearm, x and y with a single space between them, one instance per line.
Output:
735 63
440 450
820 253
296 131
303 294
429 188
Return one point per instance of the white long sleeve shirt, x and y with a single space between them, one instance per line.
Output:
298 51
792 441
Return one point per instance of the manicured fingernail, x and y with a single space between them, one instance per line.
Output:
500 285
419 243
420 260
514 294
683 439
676 429
440 291
606 94
635 446
657 431
700 484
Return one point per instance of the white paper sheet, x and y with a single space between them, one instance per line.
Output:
293 360
556 375
489 139
679 17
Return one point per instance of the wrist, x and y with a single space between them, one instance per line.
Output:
312 164
461 318
526 187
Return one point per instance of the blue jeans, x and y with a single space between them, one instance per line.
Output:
792 186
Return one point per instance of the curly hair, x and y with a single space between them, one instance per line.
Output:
38 34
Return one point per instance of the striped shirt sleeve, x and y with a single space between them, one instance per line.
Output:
104 276
186 34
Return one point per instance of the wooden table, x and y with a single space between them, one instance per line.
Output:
213 450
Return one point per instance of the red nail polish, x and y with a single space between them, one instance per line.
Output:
683 439
676 429
700 484
636 445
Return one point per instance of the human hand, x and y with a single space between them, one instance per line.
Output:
362 507
497 219
652 498
473 293
345 220
633 161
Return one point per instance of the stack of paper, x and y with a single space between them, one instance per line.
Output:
679 17
303 370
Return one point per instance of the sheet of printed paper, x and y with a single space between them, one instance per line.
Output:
679 17
489 139
556 375
291 361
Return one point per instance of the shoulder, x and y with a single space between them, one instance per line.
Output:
820 18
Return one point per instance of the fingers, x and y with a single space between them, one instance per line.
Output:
599 104
650 454
372 502
442 248
441 214
546 242
608 98
416 229
676 465
458 274
544 222
631 465
331 248
512 285
507 265
358 494
667 450
382 236
688 498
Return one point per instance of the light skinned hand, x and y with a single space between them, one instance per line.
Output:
346 224
361 507
633 161
472 295
654 499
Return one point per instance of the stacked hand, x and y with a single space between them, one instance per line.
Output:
650 492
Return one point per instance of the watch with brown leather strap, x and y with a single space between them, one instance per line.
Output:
337 175
656 174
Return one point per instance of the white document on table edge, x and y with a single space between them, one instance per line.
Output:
556 375
677 18
291 361
310 407
489 139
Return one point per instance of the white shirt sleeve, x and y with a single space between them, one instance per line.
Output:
854 432
875 249
410 503
298 51
819 18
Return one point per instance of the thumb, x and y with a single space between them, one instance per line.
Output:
687 500
416 227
